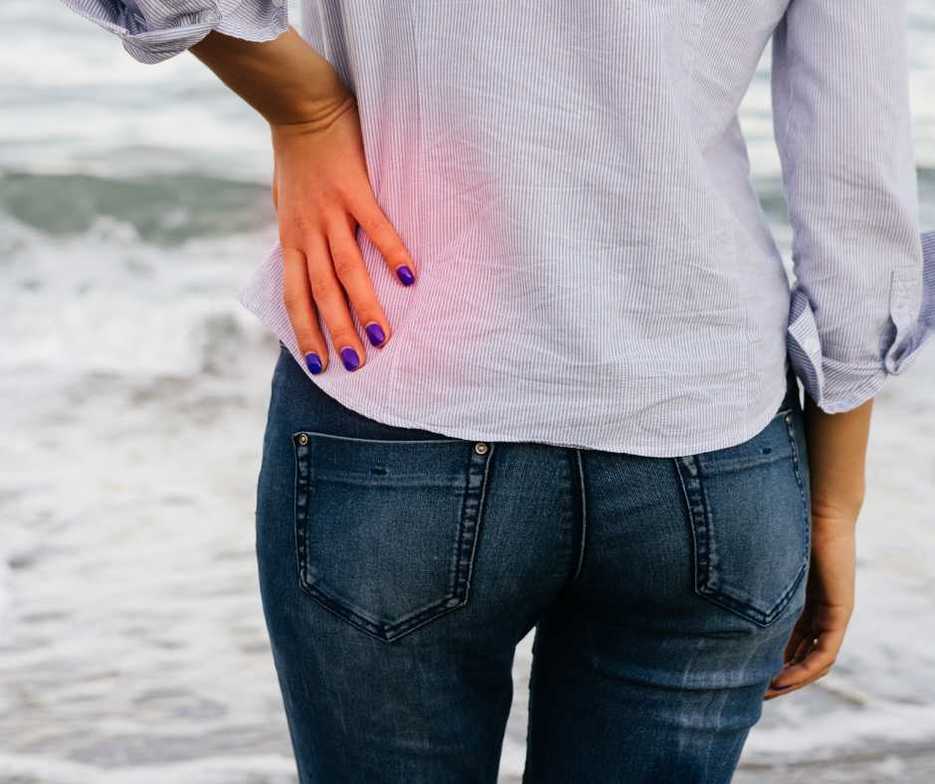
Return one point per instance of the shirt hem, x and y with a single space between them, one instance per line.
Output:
366 407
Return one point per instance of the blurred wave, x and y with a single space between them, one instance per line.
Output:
161 209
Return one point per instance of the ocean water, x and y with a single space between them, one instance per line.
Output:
133 205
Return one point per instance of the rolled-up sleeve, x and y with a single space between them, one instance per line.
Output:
155 30
863 301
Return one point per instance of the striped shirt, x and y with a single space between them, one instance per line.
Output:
594 266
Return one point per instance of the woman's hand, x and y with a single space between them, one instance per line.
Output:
829 603
837 445
320 189
321 192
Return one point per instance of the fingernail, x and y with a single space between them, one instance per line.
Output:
375 333
405 275
313 362
349 358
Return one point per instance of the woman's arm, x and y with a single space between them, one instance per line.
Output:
285 79
321 188
863 302
837 448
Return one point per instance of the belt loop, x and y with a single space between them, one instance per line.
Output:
792 398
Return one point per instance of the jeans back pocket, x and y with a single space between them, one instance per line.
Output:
748 506
387 530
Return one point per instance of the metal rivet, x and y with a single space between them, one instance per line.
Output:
303 439
481 448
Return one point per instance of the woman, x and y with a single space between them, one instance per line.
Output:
577 408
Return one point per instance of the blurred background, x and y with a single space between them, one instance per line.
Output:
134 204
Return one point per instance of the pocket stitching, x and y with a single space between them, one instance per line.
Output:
320 434
742 462
460 578
704 582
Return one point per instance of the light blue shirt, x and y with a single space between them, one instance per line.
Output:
594 266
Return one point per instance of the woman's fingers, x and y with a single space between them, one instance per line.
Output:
331 301
814 664
819 658
804 644
327 278
354 277
297 297
372 220
799 641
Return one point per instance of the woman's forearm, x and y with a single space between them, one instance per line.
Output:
837 448
285 79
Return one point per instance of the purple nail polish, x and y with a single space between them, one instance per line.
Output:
349 358
375 333
405 275
313 362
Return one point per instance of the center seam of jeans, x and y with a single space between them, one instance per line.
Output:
583 514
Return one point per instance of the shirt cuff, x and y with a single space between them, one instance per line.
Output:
155 30
837 386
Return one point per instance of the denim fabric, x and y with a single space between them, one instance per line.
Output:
400 568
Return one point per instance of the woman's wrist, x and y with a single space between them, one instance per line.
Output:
287 81
316 118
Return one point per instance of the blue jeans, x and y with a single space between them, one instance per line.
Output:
399 568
